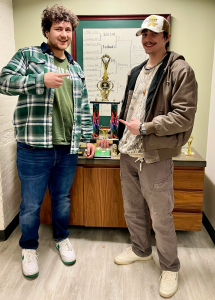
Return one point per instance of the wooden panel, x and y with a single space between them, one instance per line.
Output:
188 201
103 203
76 195
187 221
188 178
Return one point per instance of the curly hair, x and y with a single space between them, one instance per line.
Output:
57 13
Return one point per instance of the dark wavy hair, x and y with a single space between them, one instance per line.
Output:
165 35
57 13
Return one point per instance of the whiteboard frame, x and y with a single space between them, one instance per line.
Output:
110 17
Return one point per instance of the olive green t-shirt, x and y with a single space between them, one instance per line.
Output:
63 106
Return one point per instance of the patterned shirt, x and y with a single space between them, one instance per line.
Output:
24 76
129 143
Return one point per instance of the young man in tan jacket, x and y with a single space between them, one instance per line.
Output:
156 120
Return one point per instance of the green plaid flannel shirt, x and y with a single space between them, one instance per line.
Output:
24 76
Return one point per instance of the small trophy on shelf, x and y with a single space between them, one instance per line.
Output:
189 151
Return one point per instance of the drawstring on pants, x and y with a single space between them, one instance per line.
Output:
141 162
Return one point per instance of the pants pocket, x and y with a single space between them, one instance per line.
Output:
163 196
25 146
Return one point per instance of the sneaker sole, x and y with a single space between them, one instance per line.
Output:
130 262
31 276
169 295
69 263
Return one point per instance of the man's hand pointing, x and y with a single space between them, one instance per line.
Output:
54 80
133 126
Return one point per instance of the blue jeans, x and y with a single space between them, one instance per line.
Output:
37 168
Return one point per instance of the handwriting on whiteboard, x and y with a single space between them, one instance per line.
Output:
126 52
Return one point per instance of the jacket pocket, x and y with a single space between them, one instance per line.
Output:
153 142
35 66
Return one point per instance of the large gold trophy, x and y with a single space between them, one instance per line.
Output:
105 85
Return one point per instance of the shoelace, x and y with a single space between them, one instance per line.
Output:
65 245
168 277
128 250
31 255
141 162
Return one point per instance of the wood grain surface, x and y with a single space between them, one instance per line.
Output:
188 201
188 178
103 203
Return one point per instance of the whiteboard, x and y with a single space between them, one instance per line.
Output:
126 52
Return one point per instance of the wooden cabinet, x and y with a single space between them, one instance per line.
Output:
96 196
188 192
103 203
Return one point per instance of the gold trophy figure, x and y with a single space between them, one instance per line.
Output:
105 85
189 151
104 131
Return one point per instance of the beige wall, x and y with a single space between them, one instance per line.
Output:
209 187
193 34
9 182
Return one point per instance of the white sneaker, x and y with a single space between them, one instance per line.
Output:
29 263
128 257
168 284
66 252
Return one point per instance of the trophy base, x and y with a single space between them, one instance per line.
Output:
102 154
189 153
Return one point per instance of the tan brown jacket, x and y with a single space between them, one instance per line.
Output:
170 108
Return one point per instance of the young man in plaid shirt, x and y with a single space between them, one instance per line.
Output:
51 116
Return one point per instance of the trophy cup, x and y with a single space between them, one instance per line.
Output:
104 131
189 151
105 86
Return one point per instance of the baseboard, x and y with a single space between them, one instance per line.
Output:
4 234
208 227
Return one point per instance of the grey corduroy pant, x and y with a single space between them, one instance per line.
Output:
150 189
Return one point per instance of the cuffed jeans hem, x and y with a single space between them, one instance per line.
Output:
61 239
29 247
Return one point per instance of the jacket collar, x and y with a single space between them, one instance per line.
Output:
45 48
164 62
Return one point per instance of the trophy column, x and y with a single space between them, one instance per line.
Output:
113 121
95 120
